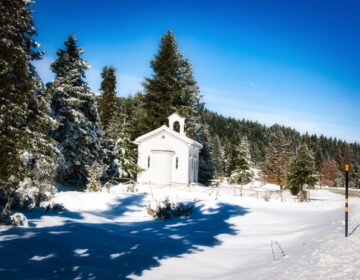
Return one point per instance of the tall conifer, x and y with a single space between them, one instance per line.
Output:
171 88
26 153
107 104
277 158
242 173
301 171
75 108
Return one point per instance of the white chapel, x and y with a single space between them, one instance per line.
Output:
167 156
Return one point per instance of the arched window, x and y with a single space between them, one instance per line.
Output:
176 126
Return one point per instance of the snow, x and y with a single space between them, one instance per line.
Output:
232 234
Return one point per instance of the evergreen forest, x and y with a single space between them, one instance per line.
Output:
62 133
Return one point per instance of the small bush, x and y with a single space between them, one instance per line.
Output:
58 207
167 210
94 184
17 219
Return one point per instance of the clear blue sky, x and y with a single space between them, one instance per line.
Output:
296 63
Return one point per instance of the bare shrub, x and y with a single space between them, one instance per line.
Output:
167 210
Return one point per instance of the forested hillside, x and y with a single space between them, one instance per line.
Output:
230 130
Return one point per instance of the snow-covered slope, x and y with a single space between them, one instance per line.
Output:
111 236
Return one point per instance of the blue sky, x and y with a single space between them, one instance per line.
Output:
295 63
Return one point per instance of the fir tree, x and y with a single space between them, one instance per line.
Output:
126 153
218 157
231 155
109 117
277 158
132 108
75 108
171 88
107 104
94 184
301 171
242 174
174 88
23 116
206 164
202 135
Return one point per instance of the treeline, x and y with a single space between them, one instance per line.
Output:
229 131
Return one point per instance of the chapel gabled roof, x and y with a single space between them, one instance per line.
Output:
166 129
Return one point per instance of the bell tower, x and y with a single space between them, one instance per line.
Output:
177 123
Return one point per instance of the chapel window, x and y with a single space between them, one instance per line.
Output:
176 126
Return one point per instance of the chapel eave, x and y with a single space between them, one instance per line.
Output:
167 130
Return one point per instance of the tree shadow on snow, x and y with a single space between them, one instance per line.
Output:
78 250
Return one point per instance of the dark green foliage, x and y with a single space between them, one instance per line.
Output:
301 171
278 153
167 210
74 107
259 137
241 161
16 87
162 88
94 184
218 156
125 151
206 165
108 109
172 87
230 131
107 104
119 123
26 152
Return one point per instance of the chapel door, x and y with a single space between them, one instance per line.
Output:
161 167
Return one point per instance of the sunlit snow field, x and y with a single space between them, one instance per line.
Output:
231 234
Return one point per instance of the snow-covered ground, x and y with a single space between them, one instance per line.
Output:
231 234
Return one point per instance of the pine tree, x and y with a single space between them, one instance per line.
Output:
126 152
119 134
94 184
132 108
171 88
23 116
301 171
206 164
231 155
189 104
107 104
242 174
218 157
75 108
277 158
109 117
